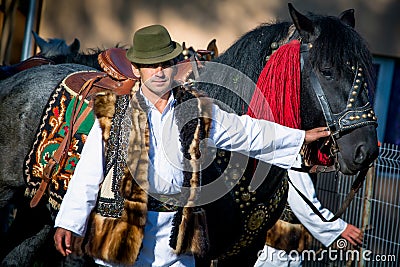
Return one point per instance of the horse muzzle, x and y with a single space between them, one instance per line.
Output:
357 150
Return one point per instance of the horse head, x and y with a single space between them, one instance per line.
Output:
207 54
337 75
56 47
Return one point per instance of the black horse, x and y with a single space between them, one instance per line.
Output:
237 221
336 77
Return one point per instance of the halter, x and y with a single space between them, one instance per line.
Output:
355 115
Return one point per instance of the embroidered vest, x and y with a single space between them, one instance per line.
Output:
116 227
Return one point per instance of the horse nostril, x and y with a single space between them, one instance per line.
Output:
360 154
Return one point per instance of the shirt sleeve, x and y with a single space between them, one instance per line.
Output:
264 140
325 232
81 195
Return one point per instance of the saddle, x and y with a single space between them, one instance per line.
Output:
118 77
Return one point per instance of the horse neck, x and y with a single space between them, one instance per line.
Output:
89 60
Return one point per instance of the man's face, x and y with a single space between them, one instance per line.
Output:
157 78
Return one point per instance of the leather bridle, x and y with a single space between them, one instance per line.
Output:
355 115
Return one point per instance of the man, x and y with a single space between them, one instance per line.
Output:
145 153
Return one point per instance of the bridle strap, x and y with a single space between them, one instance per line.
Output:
326 109
355 114
354 189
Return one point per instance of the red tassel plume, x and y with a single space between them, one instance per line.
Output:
277 95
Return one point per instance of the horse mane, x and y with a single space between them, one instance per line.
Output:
84 58
256 44
248 55
346 49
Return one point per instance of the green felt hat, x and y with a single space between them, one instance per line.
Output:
153 44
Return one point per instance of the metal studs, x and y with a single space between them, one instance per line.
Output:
349 105
358 81
351 118
245 196
364 116
351 100
357 117
310 45
274 45
354 93
355 87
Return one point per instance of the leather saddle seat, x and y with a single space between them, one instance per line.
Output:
118 74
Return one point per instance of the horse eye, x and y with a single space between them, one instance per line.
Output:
327 73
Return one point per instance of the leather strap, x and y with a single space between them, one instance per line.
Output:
32 62
315 168
354 189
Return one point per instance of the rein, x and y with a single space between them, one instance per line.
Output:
354 189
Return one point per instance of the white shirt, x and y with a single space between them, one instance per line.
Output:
325 232
263 140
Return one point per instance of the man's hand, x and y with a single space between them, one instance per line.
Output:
62 241
353 235
315 134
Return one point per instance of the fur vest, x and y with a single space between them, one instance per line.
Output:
117 237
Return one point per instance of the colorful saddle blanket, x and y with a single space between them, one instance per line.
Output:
53 129
50 164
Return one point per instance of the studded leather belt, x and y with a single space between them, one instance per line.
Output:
162 203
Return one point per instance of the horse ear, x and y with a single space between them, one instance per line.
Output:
184 46
347 17
212 46
39 41
301 22
75 46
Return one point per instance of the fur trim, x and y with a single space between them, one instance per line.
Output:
288 236
191 233
104 109
119 240
114 240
